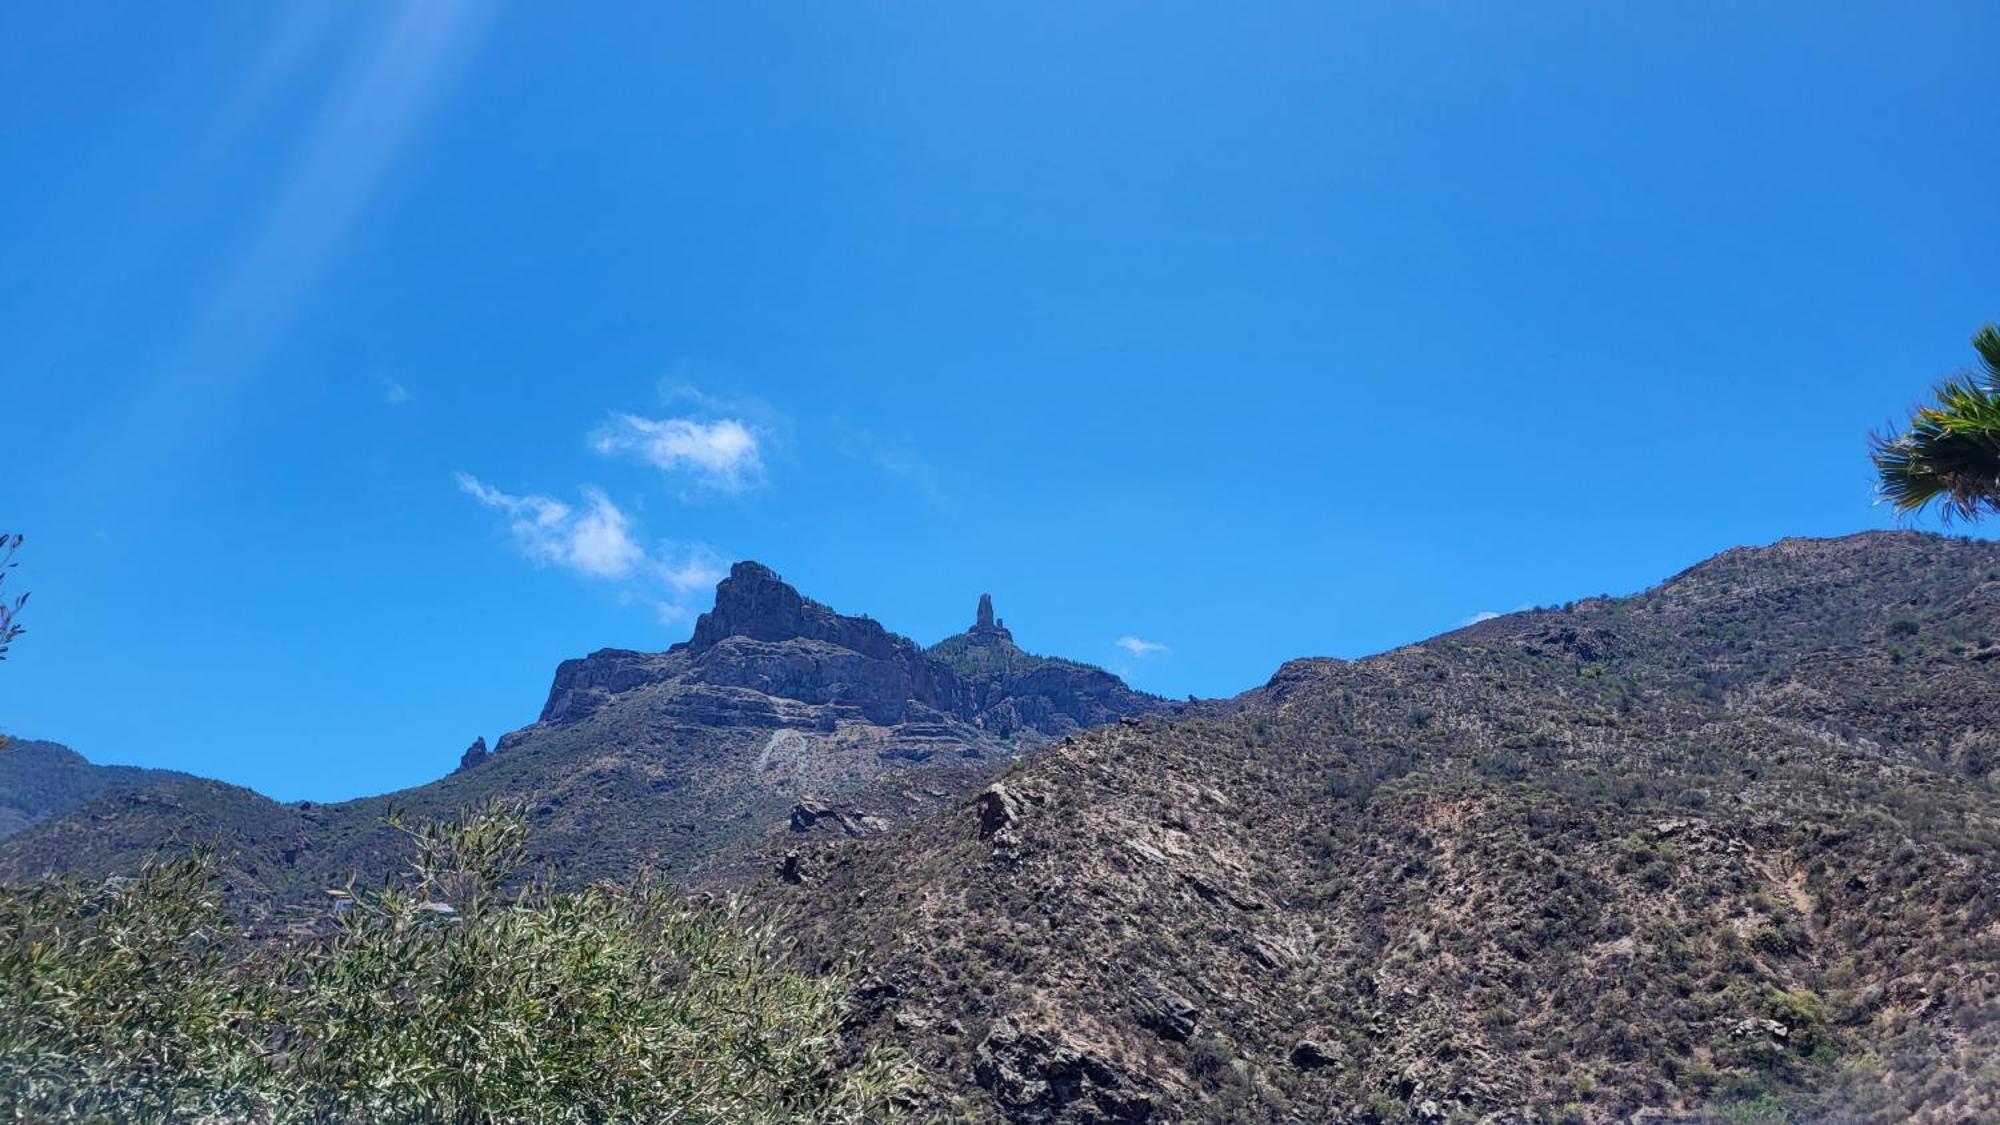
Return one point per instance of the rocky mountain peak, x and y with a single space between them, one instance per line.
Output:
753 602
985 625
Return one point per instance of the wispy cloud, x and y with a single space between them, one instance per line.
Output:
1138 647
724 454
394 393
665 611
689 568
596 541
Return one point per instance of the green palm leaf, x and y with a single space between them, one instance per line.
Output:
1950 454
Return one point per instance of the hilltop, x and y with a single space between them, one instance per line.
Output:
40 780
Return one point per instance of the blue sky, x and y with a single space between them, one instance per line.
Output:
362 361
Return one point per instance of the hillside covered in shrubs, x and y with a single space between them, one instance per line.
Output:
439 997
1727 850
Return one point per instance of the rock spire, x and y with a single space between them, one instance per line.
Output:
984 624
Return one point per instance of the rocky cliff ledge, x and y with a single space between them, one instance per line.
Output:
767 656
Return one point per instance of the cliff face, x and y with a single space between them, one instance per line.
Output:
763 637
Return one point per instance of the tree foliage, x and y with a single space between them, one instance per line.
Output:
1950 455
438 998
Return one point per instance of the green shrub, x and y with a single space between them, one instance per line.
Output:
438 999
1804 1015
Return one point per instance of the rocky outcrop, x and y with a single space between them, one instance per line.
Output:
997 809
1010 692
762 634
765 646
475 754
1165 1012
1059 698
882 688
754 603
987 626
1038 1075
811 812
1309 1054
583 685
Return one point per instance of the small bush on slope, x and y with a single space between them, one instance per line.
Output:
436 1000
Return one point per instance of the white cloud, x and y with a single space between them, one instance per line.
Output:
1482 615
597 541
689 570
600 540
1138 647
395 394
666 612
724 454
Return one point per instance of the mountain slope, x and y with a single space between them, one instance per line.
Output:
39 780
777 713
1727 849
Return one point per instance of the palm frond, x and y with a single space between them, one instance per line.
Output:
1951 453
1987 344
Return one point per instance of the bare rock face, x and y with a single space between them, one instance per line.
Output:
762 634
764 646
475 754
998 809
1308 1054
1039 1075
585 684
987 626
811 812
1166 1012
753 602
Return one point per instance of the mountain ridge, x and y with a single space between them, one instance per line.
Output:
663 759
40 780
1724 849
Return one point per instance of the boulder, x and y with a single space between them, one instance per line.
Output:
998 808
1165 1012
